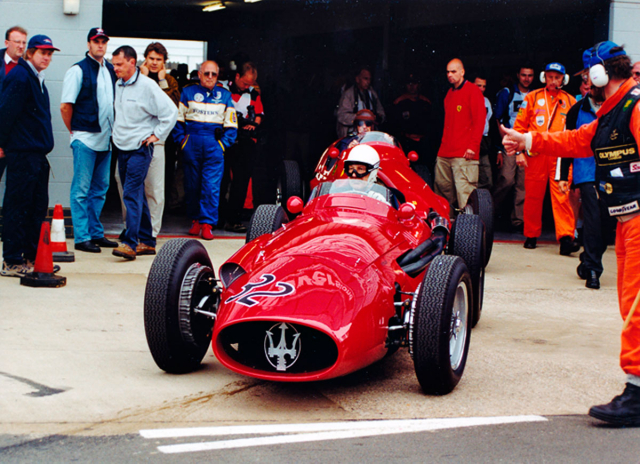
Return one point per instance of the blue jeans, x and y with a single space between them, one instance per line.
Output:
88 190
133 166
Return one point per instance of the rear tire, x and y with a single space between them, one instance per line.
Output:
289 182
266 219
180 276
481 203
468 243
440 328
424 172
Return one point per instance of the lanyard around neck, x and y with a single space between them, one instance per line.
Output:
546 102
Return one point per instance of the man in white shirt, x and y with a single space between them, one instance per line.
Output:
87 111
144 115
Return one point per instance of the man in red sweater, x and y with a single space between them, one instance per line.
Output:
464 118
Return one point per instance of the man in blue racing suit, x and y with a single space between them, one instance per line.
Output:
207 126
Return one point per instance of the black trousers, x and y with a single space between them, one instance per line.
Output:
239 159
26 199
596 229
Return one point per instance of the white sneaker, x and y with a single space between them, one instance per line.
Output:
29 266
13 270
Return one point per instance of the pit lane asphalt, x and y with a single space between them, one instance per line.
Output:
74 360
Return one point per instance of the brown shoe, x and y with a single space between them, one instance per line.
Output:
143 249
124 251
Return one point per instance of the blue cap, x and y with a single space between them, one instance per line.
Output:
600 53
42 42
557 67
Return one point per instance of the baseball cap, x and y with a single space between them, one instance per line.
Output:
600 52
557 67
96 32
42 42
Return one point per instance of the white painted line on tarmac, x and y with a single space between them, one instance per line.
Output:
317 431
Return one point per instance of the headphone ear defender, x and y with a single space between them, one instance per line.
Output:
565 81
543 79
598 75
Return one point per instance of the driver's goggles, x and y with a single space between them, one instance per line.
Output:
365 123
357 172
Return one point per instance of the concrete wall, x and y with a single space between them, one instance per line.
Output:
624 26
69 34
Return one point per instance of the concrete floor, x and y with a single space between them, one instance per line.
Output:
545 345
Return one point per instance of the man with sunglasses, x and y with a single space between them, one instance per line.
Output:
364 122
207 127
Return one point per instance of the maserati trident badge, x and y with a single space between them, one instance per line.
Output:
278 353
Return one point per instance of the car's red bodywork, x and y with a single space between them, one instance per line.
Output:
331 276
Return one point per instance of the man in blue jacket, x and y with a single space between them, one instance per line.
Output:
87 110
207 126
15 41
26 137
597 226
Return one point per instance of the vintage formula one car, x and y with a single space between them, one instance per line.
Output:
362 270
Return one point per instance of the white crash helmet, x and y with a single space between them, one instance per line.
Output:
366 155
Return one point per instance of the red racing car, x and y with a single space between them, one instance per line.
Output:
363 269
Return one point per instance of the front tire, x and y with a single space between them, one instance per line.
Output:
180 277
440 326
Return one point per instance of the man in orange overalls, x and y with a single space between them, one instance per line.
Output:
545 110
615 138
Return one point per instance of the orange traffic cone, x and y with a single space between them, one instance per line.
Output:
58 238
42 275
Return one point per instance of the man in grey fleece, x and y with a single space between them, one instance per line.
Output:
144 115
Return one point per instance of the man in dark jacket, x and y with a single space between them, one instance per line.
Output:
26 137
597 223
15 41
87 110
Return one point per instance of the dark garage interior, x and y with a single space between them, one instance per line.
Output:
306 50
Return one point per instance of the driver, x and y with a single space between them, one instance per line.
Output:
364 122
362 164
